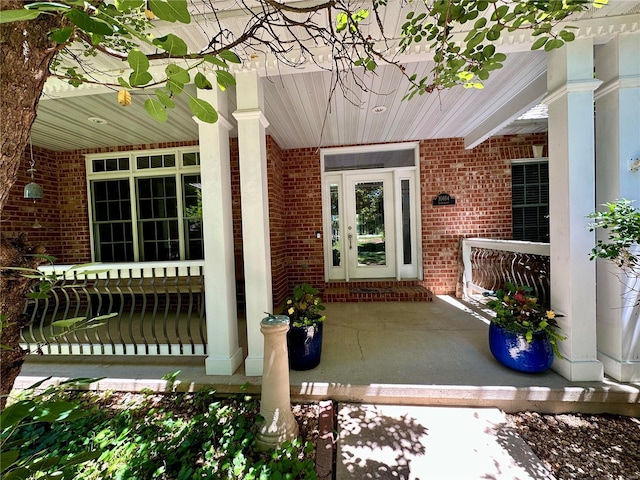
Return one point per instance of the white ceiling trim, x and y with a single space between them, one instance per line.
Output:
601 29
527 98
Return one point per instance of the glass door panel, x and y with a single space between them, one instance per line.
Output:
370 233
370 230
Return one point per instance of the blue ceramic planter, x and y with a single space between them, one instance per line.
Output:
513 351
305 346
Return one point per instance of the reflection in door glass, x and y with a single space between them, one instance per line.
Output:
335 225
370 224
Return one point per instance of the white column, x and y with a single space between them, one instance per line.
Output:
570 86
224 352
617 143
252 146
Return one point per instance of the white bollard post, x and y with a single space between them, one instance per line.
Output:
279 423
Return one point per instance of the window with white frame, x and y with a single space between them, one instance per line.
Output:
146 206
530 200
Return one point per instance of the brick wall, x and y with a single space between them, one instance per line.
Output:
480 181
64 210
20 214
303 218
236 207
277 224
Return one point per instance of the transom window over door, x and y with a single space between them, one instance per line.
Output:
146 206
371 212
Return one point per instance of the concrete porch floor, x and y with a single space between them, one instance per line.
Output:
411 353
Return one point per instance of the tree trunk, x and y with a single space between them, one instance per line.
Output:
26 53
14 287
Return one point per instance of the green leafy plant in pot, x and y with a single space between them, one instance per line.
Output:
304 339
523 335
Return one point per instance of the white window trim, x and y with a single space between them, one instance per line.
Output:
131 174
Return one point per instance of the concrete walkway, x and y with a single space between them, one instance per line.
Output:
438 443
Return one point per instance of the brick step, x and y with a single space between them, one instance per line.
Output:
372 292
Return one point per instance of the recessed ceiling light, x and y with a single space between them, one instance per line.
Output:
97 120
379 109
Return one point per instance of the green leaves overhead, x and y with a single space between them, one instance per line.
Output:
229 56
7 16
89 24
203 110
172 44
462 35
156 110
469 61
170 10
127 5
165 99
177 78
225 79
61 35
202 82
343 20
139 63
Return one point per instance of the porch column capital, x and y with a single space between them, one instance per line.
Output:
571 87
252 114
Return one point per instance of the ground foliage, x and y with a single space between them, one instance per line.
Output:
581 446
169 436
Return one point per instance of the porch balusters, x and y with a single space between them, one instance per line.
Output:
159 310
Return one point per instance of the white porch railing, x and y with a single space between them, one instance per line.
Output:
159 309
489 264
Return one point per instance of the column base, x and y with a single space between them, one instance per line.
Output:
583 371
223 365
620 370
253 366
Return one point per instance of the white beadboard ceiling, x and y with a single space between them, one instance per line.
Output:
297 103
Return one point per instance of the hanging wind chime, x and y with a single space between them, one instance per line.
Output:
32 189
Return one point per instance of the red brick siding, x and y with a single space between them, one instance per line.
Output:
303 218
480 181
236 208
19 213
277 223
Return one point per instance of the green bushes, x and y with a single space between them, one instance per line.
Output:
162 436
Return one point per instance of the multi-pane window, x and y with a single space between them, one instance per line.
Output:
530 201
112 228
146 207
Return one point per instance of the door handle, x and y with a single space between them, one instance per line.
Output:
350 236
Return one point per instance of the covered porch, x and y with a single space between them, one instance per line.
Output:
263 154
414 353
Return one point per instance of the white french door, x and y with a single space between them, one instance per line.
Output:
371 212
370 225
